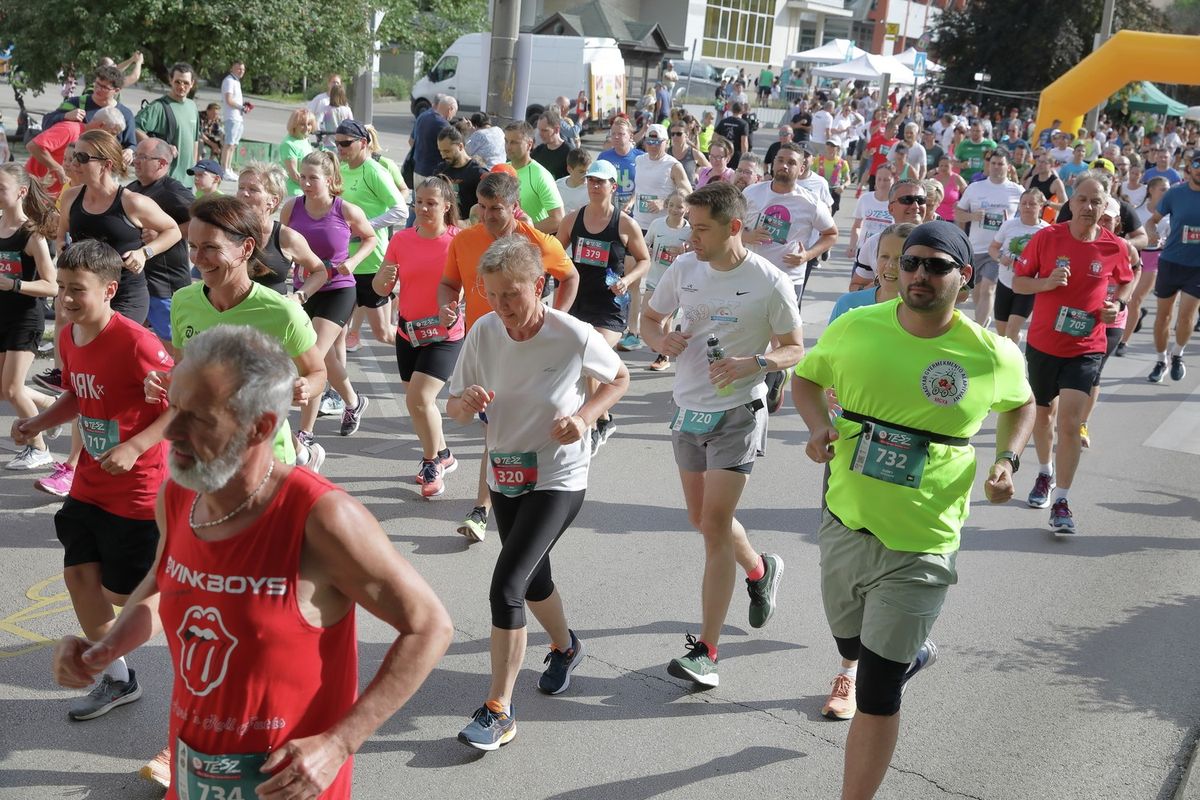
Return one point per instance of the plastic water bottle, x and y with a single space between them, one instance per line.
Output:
715 353
611 278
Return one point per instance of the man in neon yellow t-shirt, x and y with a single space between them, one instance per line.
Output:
916 380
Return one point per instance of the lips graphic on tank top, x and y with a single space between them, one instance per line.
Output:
207 646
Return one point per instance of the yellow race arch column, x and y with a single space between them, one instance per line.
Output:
1127 56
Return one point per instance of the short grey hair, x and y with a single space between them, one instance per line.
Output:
111 119
261 370
271 176
514 256
499 186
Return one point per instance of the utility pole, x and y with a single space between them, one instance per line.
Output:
1106 23
502 69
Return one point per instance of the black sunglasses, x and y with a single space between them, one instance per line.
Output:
677 133
912 199
83 158
933 266
344 142
1196 163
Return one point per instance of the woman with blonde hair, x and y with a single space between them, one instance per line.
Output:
295 146
263 187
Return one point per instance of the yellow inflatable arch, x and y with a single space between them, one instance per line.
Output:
1127 56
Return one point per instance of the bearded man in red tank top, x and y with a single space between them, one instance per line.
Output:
259 570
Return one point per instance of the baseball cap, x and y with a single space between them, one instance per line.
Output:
206 165
1104 164
603 170
656 131
351 128
1112 208
506 168
806 146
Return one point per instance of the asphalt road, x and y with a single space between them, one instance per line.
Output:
1066 670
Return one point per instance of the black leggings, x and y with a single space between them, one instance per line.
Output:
529 526
880 681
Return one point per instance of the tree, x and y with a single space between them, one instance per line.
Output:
431 26
1050 39
281 41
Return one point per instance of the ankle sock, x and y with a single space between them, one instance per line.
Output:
444 453
712 651
499 708
1060 494
1162 356
849 672
758 572
1177 350
118 670
1046 469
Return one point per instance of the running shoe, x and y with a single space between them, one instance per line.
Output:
1039 497
105 696
1084 439
53 433
474 527
30 458
1159 371
557 676
353 342
1061 519
309 454
696 665
58 482
600 434
489 730
763 591
158 769
431 479
352 417
1178 370
775 387
230 176
332 404
629 342
926 658
659 364
1120 351
447 462
841 703
50 379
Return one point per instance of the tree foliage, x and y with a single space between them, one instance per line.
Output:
431 26
1027 46
281 41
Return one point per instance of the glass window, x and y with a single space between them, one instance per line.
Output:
445 69
740 30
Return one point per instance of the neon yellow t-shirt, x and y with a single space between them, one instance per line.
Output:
946 385
263 309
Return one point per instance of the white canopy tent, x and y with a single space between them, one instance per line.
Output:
909 57
869 67
1192 113
829 53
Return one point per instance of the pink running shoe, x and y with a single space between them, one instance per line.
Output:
58 482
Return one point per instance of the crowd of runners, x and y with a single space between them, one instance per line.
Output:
191 319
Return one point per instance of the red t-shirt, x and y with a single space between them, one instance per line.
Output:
106 376
420 263
53 140
883 148
1093 266
251 673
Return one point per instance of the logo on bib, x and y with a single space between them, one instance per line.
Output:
206 647
944 383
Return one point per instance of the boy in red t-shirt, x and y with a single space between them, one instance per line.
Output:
879 148
106 525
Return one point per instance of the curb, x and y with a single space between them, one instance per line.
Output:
1186 789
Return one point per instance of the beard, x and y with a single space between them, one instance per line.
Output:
206 477
932 301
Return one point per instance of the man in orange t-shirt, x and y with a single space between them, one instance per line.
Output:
499 197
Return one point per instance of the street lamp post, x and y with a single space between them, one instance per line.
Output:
981 79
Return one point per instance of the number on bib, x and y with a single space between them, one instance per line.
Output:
514 473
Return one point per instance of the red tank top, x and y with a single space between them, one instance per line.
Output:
250 672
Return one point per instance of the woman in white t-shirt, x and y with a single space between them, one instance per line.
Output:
522 370
1011 309
1132 189
666 237
1155 189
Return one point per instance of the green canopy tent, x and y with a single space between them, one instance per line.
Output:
1147 97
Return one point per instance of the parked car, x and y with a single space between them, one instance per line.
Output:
704 78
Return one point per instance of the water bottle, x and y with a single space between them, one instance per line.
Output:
611 278
716 353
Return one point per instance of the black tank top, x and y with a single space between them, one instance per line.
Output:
18 309
594 255
274 260
113 227
1043 186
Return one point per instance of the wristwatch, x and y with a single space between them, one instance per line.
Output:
1123 304
303 295
1010 457
148 251
762 361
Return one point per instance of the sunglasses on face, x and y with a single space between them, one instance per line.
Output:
912 199
83 158
344 142
677 133
933 266
1196 163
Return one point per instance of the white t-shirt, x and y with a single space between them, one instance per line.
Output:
232 86
319 105
1135 196
791 218
651 181
536 382
664 243
1062 155
572 198
817 186
744 307
822 121
916 155
1013 236
874 215
997 201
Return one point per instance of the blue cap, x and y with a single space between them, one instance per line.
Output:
206 165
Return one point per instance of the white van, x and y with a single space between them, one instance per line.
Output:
562 65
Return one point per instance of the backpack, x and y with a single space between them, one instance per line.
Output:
169 132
